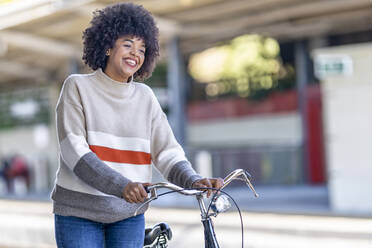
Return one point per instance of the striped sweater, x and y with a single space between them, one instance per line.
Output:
109 134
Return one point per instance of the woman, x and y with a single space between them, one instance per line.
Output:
110 129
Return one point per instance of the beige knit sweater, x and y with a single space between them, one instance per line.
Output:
109 134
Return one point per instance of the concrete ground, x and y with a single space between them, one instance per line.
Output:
283 217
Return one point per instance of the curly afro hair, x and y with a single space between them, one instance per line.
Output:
113 22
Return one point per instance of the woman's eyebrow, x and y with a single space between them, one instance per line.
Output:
129 40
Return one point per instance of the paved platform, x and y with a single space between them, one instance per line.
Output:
281 218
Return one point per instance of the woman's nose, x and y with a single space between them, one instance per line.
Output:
132 52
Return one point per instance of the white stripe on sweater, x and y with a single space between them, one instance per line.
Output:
67 179
134 172
116 142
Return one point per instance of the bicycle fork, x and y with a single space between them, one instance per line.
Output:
209 234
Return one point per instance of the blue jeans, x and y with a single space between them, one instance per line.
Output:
74 232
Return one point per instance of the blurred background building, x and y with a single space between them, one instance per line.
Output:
278 87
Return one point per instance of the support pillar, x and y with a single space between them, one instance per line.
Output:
302 65
176 90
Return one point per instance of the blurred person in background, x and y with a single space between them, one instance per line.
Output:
14 167
4 164
110 129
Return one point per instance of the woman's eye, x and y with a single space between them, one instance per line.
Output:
126 45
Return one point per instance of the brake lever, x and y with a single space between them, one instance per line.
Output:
248 175
247 180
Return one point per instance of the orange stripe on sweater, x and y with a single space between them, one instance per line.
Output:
121 156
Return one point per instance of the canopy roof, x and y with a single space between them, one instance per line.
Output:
38 38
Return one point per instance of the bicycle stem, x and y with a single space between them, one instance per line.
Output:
203 209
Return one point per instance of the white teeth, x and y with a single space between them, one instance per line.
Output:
131 62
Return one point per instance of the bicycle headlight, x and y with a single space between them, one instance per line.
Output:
220 204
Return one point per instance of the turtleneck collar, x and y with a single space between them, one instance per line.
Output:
112 86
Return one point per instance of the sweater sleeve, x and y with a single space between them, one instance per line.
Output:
74 148
167 154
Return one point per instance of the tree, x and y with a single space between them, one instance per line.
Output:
248 66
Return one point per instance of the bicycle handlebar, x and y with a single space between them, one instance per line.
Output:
228 179
174 187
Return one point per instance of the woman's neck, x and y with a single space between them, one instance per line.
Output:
116 76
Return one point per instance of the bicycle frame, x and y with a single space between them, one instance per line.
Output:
209 233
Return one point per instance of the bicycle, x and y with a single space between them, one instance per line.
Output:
161 234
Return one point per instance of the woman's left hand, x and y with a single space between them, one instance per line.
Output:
208 183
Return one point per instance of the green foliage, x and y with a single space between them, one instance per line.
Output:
249 66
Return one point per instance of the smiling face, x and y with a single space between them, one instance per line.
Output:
125 58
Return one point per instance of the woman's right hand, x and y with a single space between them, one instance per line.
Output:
135 192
